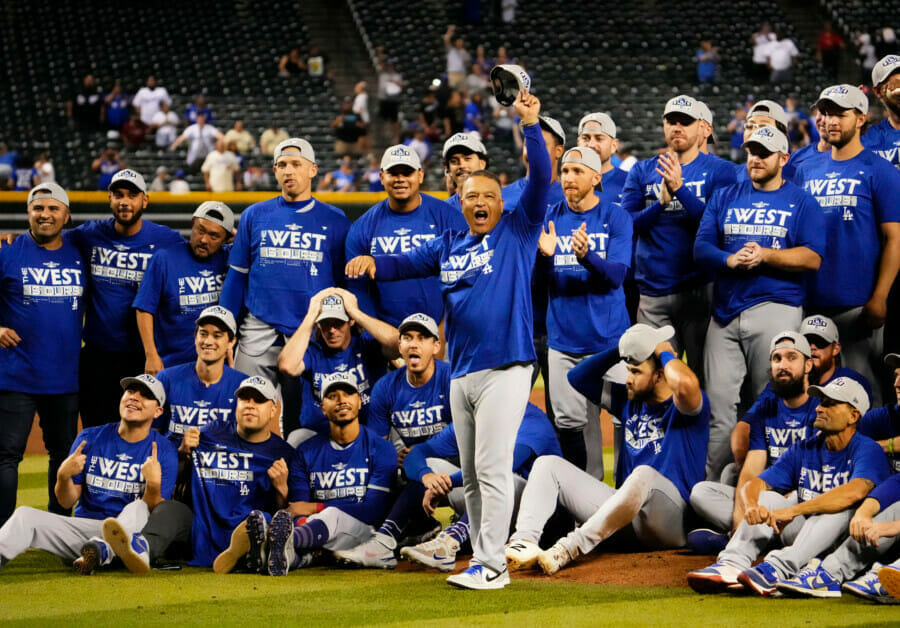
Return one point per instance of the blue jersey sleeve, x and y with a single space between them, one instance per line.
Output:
152 285
533 199
887 492
691 202
298 488
380 408
885 187
611 269
422 261
870 461
356 244
441 445
633 200
757 433
706 245
811 221
587 377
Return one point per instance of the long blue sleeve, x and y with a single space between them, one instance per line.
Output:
706 245
612 273
533 200
691 202
441 445
234 292
587 377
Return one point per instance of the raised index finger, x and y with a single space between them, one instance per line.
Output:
153 450
80 447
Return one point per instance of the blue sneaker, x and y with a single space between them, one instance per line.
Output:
706 541
480 578
93 554
716 578
812 581
760 579
281 543
257 536
870 587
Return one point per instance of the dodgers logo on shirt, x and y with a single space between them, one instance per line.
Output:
814 482
418 420
201 289
186 417
340 482
597 243
51 283
643 430
292 244
471 264
115 475
402 242
118 264
228 466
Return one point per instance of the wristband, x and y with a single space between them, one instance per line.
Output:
665 357
320 506
891 446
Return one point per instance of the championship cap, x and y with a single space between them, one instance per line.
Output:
550 124
892 360
333 307
294 146
683 104
128 178
216 212
338 379
605 123
821 327
843 389
884 68
790 340
219 314
707 116
464 143
639 341
49 190
150 385
769 138
422 322
844 96
400 155
507 81
261 385
771 109
585 156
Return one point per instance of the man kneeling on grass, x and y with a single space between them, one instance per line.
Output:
665 418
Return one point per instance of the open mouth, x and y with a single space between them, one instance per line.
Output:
481 215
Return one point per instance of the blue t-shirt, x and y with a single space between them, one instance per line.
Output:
288 252
175 289
42 300
706 70
362 357
812 469
355 478
453 201
739 214
415 413
613 183
343 180
664 257
888 492
856 195
799 157
23 178
191 403
884 140
111 478
117 266
880 424
381 231
587 312
230 478
774 427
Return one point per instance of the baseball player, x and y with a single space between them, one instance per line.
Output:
782 415
462 154
759 237
762 113
404 220
825 347
485 282
804 499
856 191
115 472
179 283
598 131
118 251
707 134
202 392
324 344
345 478
883 138
42 282
883 424
666 426
666 196
589 260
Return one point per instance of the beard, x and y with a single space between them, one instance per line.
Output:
794 387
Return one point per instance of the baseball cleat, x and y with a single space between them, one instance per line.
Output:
812 581
236 550
760 579
555 558
93 554
377 552
479 577
706 541
132 549
281 543
869 586
522 554
257 534
889 577
439 553
717 578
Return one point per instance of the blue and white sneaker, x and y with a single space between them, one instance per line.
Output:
439 553
479 578
812 581
257 537
377 552
706 541
761 579
869 586
889 577
94 553
717 578
281 543
131 548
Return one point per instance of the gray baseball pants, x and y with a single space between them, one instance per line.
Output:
487 408
572 410
734 351
457 497
714 502
852 558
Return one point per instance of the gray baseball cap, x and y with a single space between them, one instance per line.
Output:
769 138
844 96
795 340
400 155
464 142
771 109
218 213
294 146
605 123
333 307
341 380
422 322
261 385
821 326
507 81
884 68
844 389
585 156
639 341
49 190
550 124
129 178
149 383
219 314
706 115
683 104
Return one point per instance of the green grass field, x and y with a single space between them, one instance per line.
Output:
37 588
